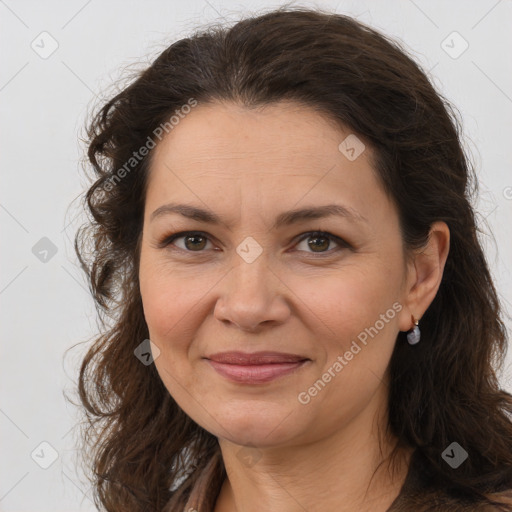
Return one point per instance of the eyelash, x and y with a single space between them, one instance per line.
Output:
310 234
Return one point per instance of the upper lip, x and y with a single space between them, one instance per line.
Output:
255 358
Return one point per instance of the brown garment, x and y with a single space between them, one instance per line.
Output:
418 493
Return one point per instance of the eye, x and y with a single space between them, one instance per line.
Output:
319 241
193 241
196 241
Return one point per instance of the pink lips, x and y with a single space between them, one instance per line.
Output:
258 367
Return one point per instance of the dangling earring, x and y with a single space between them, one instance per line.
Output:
414 335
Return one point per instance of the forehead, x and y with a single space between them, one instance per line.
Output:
279 153
214 132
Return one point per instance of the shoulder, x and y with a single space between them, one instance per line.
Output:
503 497
423 492
441 501
503 500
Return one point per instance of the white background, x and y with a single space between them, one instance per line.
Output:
46 307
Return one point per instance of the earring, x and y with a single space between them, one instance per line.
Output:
414 335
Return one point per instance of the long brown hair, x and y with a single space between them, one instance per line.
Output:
139 443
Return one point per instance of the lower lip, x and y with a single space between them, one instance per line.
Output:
255 374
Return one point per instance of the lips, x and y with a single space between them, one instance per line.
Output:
255 368
256 358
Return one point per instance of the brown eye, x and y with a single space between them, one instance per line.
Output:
195 242
319 242
192 241
316 242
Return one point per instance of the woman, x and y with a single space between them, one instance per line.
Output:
283 208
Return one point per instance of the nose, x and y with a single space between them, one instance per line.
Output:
251 297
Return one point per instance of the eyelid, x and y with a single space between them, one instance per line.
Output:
338 240
167 240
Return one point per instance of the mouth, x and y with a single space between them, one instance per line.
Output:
255 368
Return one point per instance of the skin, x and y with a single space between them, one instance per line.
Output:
247 166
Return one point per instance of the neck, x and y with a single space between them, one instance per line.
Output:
344 471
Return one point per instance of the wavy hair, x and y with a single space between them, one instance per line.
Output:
142 448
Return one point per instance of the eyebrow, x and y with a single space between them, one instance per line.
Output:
283 219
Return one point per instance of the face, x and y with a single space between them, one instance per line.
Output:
260 281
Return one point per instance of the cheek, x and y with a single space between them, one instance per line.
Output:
169 300
345 302
168 306
348 310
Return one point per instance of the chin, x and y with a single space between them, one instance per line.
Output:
256 438
254 426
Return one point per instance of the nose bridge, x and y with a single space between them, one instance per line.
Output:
251 276
251 294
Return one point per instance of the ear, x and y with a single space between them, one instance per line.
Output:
424 274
